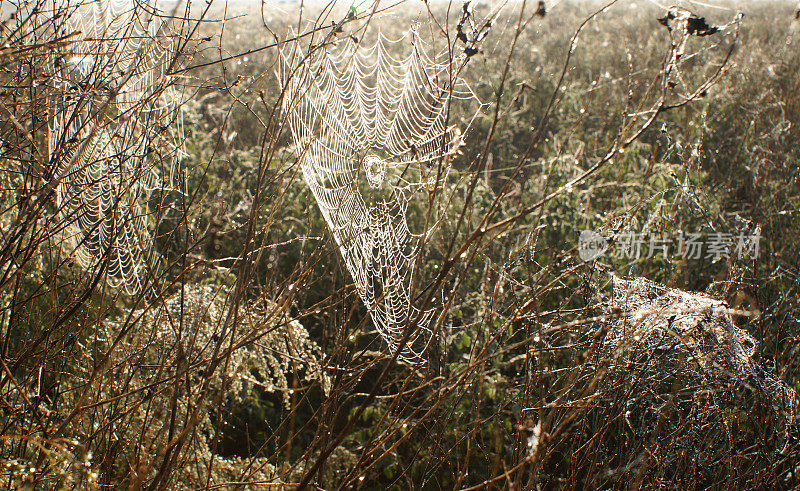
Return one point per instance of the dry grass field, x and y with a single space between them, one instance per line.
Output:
399 245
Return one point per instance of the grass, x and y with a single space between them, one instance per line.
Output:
250 360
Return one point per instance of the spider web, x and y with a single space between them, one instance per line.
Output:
692 334
109 130
371 129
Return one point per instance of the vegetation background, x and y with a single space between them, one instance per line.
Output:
257 365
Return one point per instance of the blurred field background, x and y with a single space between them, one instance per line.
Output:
100 389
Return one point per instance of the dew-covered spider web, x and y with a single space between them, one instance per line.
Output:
110 141
666 332
372 128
